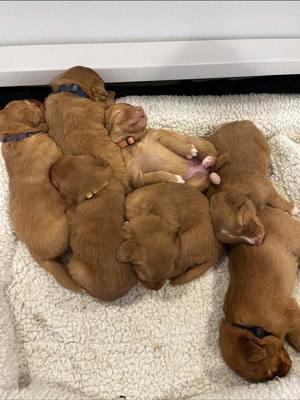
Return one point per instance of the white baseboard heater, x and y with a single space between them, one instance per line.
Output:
151 61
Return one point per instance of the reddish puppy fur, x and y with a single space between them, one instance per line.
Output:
260 294
95 199
169 235
77 124
245 187
159 155
36 208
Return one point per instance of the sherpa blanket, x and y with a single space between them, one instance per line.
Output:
148 345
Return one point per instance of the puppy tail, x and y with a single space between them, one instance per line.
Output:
61 275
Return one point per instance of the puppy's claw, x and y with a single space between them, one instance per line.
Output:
179 179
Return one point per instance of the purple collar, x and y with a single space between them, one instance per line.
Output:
17 137
73 88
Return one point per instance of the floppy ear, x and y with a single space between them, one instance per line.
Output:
98 93
126 250
110 100
254 351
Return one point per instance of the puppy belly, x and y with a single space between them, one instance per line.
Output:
195 169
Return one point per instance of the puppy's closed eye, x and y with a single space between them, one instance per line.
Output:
126 250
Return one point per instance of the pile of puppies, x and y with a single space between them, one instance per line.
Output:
101 202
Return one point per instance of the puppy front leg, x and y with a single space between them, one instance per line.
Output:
192 273
277 201
178 145
204 147
149 178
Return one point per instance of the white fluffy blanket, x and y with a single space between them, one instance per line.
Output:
148 345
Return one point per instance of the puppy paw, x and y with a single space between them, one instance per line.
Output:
215 178
179 179
193 153
208 162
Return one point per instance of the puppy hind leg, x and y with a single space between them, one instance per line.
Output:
61 275
277 201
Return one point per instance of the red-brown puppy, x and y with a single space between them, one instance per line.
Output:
95 198
169 234
75 116
36 209
259 308
245 187
158 155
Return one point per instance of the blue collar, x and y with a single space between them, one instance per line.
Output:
73 88
260 333
17 137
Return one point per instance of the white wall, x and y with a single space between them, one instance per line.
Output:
50 22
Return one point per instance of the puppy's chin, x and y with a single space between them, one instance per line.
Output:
153 285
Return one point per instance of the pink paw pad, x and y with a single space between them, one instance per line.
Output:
215 178
208 162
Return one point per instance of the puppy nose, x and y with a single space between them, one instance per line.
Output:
140 110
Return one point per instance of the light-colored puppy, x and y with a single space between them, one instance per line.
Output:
158 155
245 187
36 209
95 199
259 308
169 234
75 116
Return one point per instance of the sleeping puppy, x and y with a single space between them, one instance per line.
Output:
75 116
157 155
36 209
245 188
169 235
259 308
95 200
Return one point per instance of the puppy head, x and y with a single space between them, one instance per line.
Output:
89 81
79 177
150 249
235 219
23 116
123 120
252 358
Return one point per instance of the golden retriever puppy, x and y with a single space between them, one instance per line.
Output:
245 188
36 209
75 116
157 155
259 308
95 199
169 235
